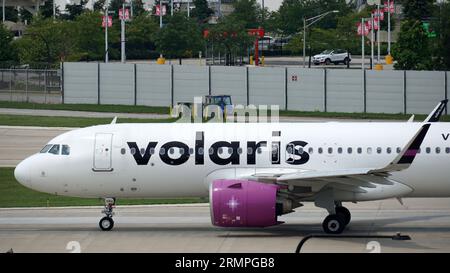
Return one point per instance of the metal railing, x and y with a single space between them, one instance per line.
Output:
31 85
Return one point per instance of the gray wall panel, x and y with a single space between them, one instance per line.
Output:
345 91
424 90
384 91
228 80
117 83
153 85
266 86
189 81
80 83
305 89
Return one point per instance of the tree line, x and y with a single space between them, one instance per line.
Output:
77 34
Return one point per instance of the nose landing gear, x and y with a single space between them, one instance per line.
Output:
107 223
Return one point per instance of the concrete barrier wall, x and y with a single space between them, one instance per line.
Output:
189 81
267 86
344 91
305 89
226 80
80 82
424 89
292 88
384 91
153 85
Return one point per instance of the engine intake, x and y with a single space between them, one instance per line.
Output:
243 203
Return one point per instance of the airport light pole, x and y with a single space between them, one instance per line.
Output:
307 22
3 9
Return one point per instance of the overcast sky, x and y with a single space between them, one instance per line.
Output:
271 4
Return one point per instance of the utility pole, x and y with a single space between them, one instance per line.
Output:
378 32
372 37
106 32
389 27
189 8
363 29
160 14
122 35
3 9
304 41
171 7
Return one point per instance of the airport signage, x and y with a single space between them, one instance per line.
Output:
378 14
125 16
158 10
389 5
375 24
363 29
110 20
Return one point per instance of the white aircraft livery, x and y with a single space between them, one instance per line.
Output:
252 172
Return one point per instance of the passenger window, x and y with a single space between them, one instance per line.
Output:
54 150
388 150
230 150
418 151
300 150
142 151
191 151
239 150
65 150
379 150
369 150
200 151
152 151
220 151
359 150
171 151
320 150
310 150
250 151
210 151
349 150
330 150
428 150
259 150
162 151
438 150
398 150
339 150
123 151
447 150
132 151
46 148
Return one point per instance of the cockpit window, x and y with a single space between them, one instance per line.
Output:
54 150
65 150
46 148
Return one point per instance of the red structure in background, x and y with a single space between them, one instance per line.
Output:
257 32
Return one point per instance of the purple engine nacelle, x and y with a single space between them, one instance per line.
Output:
243 203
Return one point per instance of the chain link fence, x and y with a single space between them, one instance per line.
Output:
31 85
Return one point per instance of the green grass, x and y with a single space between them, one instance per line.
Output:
19 120
13 194
165 110
87 107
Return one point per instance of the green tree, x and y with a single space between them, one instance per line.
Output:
141 32
412 50
46 10
417 9
11 14
138 7
74 10
230 36
7 51
442 28
99 5
248 12
201 12
180 37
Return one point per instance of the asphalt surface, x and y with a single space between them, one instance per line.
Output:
187 228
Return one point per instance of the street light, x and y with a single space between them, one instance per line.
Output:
312 20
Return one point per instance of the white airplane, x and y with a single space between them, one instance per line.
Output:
252 172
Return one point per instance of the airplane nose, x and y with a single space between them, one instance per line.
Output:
22 173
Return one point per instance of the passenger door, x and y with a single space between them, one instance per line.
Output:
102 152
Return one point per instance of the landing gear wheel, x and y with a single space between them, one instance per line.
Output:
334 224
345 214
106 223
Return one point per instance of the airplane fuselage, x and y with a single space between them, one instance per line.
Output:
181 159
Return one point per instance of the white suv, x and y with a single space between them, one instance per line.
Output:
335 56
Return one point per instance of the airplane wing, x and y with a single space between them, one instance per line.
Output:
356 180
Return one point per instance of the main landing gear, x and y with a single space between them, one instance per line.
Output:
107 223
336 223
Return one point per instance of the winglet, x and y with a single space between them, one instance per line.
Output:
114 120
437 112
405 158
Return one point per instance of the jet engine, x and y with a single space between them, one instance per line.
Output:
243 203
